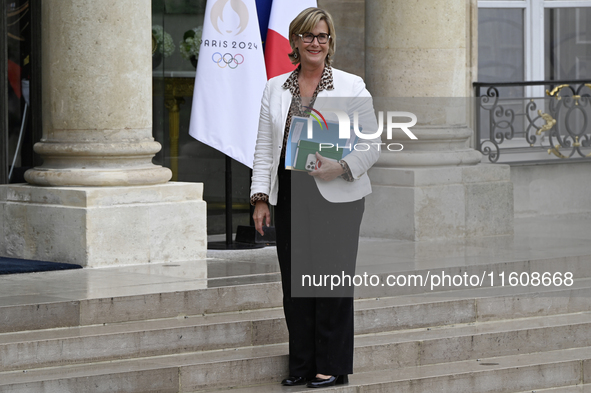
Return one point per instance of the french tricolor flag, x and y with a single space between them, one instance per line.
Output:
277 44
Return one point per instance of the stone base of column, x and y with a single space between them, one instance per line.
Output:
439 202
104 226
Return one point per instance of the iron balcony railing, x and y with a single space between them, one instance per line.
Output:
533 121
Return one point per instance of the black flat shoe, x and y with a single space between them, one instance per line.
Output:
294 381
334 380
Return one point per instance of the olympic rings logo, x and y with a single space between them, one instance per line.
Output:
227 60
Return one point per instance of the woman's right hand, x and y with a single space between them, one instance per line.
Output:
261 216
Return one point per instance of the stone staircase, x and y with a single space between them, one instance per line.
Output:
233 338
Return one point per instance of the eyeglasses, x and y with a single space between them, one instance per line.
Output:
308 38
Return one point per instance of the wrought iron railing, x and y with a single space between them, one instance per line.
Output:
533 121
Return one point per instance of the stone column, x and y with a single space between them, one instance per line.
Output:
97 95
103 201
416 61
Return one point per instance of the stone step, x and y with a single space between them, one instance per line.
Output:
32 349
386 351
52 347
231 294
563 389
566 369
54 312
558 371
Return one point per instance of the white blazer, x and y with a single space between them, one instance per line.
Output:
274 109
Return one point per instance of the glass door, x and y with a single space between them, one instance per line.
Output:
20 100
176 31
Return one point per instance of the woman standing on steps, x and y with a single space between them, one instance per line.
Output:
317 214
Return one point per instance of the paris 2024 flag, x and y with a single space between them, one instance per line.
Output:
230 79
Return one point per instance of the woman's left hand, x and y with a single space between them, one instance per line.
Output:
329 169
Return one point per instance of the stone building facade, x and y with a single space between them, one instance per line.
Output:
105 108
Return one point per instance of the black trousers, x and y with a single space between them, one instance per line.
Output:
316 237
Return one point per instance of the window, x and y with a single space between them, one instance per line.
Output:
568 50
534 40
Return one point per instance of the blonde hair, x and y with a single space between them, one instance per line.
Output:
305 23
